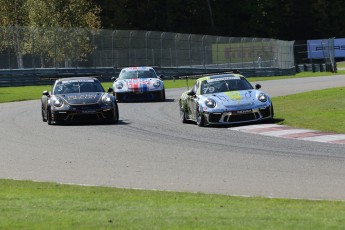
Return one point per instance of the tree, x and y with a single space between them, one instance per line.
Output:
54 29
281 19
13 14
64 28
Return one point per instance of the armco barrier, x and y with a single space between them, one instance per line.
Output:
46 76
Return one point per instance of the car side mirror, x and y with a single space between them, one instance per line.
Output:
46 93
110 90
113 78
257 86
161 76
191 93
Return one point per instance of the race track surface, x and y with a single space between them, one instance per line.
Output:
151 149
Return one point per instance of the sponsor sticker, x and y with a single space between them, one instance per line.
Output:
78 80
242 111
234 95
223 79
137 68
85 96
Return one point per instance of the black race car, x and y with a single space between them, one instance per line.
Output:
79 99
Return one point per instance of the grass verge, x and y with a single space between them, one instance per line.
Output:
34 205
322 110
22 93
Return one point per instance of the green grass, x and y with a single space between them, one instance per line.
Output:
29 205
22 93
322 110
341 64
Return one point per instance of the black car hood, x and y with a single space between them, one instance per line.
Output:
82 98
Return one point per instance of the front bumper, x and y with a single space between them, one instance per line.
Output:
239 116
83 113
138 96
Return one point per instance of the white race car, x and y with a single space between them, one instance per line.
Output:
139 83
225 99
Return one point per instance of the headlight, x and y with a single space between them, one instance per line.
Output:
57 102
119 85
262 97
157 84
107 99
210 103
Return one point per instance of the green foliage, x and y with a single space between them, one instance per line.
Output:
54 26
287 20
63 14
28 205
13 12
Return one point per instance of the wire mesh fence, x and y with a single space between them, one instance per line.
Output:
316 55
24 47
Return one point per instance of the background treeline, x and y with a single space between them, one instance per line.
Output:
280 19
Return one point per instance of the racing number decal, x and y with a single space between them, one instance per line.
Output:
209 89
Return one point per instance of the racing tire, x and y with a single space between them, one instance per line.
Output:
118 97
182 113
116 114
43 118
162 95
200 118
49 117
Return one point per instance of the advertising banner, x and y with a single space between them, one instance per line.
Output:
319 49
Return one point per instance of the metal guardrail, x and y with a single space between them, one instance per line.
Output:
46 76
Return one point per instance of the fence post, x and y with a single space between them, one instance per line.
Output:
130 48
190 49
112 46
147 34
162 38
176 52
217 52
33 49
204 50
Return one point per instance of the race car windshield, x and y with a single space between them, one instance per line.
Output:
223 85
78 87
137 74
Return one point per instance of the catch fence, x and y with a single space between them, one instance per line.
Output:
24 47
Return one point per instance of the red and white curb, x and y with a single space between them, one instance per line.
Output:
292 133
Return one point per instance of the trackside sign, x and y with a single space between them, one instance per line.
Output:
318 49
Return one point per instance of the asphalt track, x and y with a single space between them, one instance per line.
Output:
151 149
